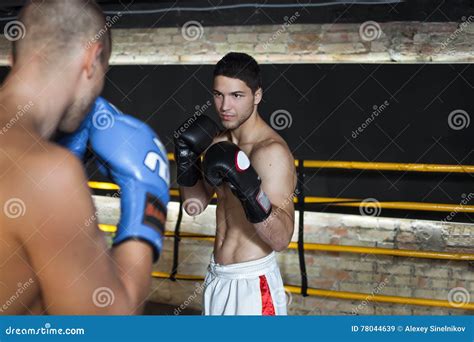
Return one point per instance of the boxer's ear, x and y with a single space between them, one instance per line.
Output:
93 59
258 96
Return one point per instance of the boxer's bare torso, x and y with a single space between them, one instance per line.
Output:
52 255
236 238
20 157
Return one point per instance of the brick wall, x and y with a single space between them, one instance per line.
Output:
363 273
290 42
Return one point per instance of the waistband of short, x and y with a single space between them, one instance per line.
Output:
243 270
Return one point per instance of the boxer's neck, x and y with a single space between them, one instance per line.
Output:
247 132
44 93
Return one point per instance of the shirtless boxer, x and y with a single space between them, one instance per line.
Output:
53 257
255 212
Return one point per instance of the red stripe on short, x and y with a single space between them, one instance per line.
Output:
267 303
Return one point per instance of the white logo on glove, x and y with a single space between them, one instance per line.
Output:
153 159
242 161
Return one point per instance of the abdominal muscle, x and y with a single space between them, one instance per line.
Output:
236 238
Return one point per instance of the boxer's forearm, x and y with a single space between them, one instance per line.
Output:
277 230
133 261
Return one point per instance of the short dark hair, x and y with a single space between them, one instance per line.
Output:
57 26
242 67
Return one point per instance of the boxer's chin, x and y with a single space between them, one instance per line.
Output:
230 125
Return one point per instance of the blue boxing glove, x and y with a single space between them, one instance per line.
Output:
101 115
136 160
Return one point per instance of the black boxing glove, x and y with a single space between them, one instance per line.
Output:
226 162
190 140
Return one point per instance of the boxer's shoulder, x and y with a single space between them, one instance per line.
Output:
41 180
54 167
36 157
50 155
271 153
271 148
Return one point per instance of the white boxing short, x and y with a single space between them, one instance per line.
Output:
246 288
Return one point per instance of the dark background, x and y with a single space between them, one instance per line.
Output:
327 103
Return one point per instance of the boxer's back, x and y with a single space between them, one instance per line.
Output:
21 154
